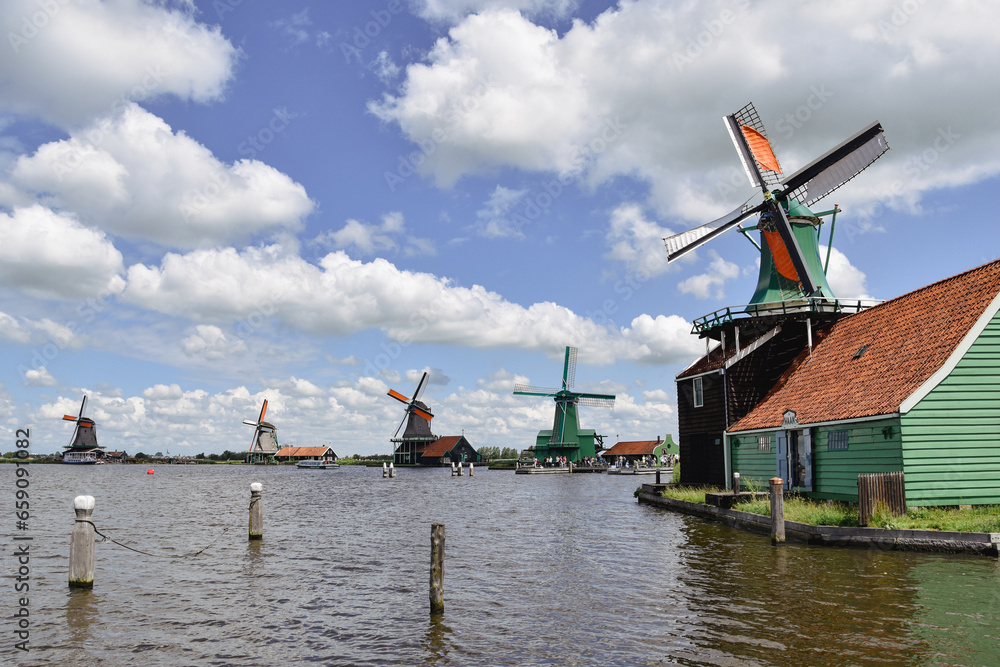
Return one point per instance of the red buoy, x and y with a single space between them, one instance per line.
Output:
149 472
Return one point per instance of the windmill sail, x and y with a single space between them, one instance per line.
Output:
679 245
836 167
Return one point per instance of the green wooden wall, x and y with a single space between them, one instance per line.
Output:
755 467
951 438
872 446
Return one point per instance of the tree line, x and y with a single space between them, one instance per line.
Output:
494 453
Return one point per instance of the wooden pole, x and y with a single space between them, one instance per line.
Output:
385 470
777 511
437 568
472 469
256 512
81 544
392 470
736 483
657 475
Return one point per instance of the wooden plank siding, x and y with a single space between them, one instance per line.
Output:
869 450
700 431
754 466
951 444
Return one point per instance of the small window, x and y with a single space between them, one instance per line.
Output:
699 394
763 443
838 441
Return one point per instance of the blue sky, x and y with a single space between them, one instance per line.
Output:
205 204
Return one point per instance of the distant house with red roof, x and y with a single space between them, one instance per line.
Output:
911 385
445 451
305 454
634 450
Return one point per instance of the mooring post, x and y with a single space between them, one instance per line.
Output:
472 470
736 483
777 511
461 469
437 568
392 469
385 470
81 544
657 475
256 512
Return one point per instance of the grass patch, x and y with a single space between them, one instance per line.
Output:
803 510
691 494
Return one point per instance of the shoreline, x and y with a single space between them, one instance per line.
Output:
935 541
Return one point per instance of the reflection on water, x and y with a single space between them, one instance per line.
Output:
559 569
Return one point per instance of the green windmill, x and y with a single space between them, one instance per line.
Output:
790 266
566 438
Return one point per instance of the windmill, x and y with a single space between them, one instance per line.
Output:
790 266
264 444
566 437
418 425
82 447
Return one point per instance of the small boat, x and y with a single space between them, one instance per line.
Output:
317 465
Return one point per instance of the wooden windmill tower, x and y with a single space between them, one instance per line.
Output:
566 438
83 447
758 341
264 444
417 418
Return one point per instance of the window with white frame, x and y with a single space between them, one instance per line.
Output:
763 443
699 393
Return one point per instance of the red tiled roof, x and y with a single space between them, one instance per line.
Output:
633 447
907 339
441 446
303 451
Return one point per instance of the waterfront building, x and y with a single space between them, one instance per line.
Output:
635 450
286 454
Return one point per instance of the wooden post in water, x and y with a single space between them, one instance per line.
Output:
777 511
385 470
472 469
461 470
657 475
81 545
256 512
437 568
392 469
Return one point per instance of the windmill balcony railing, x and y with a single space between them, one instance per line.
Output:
820 305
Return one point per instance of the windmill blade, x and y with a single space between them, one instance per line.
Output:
679 245
83 404
423 413
528 390
249 423
253 438
70 418
399 397
596 401
263 411
836 167
569 368
420 386
400 424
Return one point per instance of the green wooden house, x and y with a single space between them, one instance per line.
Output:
910 385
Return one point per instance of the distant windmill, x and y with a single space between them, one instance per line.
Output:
418 425
790 266
83 447
264 444
566 437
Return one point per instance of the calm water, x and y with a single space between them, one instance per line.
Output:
557 569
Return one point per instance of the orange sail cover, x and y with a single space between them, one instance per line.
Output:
761 149
782 260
